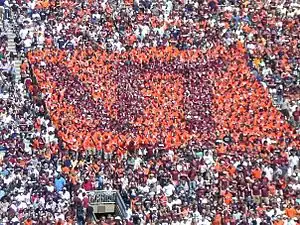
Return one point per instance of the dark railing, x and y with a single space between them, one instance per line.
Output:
102 196
121 206
105 197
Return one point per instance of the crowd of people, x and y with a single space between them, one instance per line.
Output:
164 103
26 194
168 102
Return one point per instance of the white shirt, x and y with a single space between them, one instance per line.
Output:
169 189
22 205
42 201
27 43
177 202
145 31
23 33
15 219
152 180
208 159
41 40
137 163
204 222
176 223
291 222
269 173
31 5
20 198
36 16
197 215
145 189
293 160
270 213
158 188
65 195
179 167
296 187
7 180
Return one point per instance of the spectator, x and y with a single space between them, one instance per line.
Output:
59 183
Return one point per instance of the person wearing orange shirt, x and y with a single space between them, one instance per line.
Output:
257 173
228 197
291 212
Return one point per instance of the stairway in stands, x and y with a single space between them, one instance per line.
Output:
9 31
12 48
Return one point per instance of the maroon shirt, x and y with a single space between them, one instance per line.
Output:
87 186
192 174
175 175
265 191
85 202
256 189
296 115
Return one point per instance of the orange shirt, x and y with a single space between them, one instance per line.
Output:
278 222
65 170
217 220
228 198
257 173
291 212
28 222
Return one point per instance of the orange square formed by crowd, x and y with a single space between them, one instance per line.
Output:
158 96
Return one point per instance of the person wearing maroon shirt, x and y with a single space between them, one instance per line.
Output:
192 173
85 201
224 183
87 185
256 192
128 222
296 115
175 175
265 193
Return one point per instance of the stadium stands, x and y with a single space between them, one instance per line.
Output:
188 109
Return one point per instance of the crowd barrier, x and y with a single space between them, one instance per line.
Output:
108 197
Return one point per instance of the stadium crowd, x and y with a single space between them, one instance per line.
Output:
163 101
